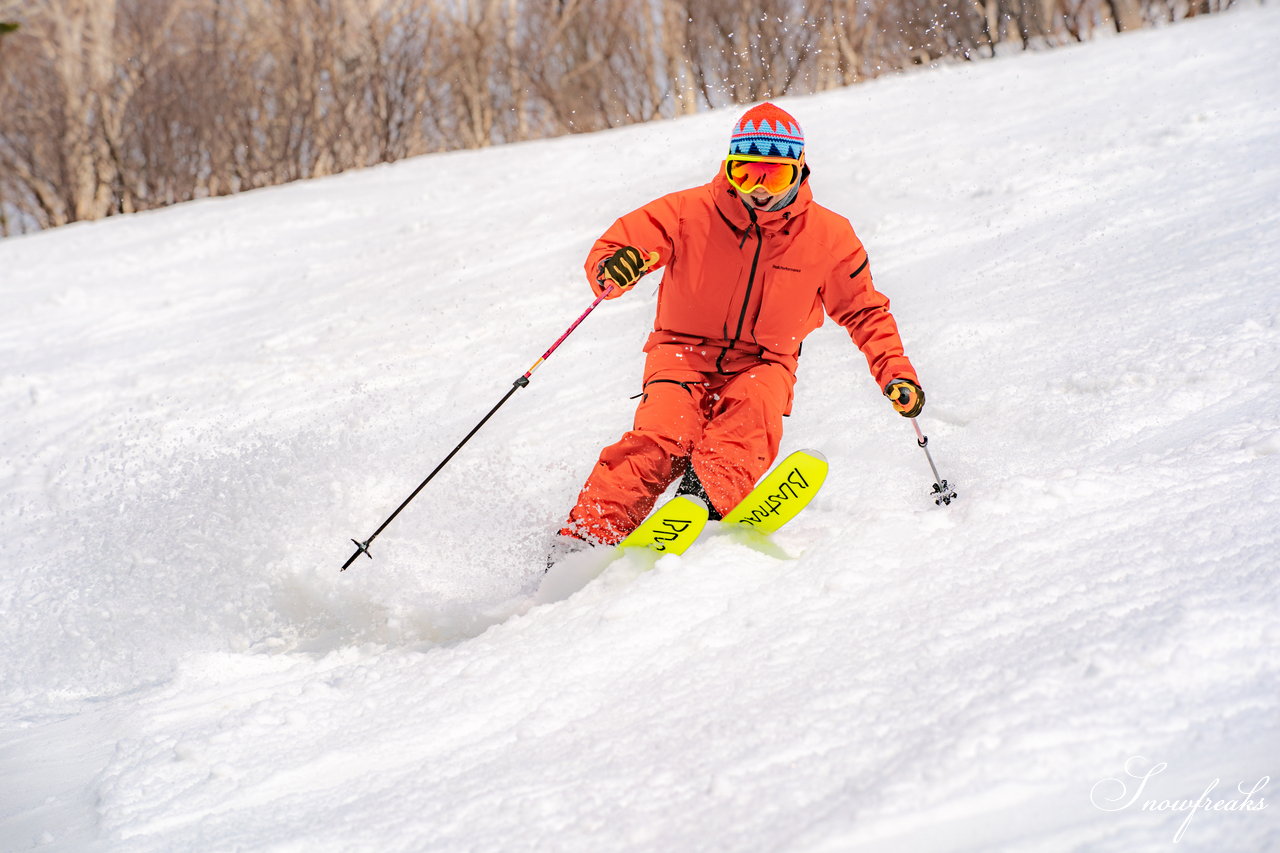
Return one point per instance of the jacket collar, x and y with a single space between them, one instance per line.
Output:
740 217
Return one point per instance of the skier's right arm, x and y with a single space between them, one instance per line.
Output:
623 268
626 251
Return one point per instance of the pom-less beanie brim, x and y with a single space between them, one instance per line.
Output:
767 131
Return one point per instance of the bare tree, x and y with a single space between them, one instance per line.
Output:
1125 14
111 106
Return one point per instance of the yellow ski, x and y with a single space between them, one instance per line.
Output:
671 528
778 498
783 492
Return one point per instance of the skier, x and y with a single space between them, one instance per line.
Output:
752 262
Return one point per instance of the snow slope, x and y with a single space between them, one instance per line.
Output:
204 405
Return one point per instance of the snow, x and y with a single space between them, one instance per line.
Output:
205 404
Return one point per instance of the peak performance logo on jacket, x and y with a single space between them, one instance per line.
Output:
787 269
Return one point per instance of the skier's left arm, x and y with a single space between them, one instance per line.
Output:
851 299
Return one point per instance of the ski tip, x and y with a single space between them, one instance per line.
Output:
816 454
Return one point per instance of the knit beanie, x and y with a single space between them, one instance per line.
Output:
767 131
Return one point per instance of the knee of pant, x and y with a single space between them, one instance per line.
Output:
637 445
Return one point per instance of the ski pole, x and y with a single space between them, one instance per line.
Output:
363 547
942 490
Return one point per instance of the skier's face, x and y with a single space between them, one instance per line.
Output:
759 198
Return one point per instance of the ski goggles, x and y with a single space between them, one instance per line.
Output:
775 174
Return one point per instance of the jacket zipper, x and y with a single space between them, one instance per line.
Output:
751 280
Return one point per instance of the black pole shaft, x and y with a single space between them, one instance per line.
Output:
923 441
363 547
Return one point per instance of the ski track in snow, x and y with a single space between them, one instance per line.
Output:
207 402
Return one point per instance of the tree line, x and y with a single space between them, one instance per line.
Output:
114 106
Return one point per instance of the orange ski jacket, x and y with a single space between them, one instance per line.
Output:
753 280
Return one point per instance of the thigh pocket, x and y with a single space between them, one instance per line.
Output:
672 408
687 386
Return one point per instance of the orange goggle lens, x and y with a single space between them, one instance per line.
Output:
775 177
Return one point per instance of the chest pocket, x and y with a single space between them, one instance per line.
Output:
790 306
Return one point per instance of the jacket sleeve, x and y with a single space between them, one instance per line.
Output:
650 229
851 299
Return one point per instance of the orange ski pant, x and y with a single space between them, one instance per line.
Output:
718 409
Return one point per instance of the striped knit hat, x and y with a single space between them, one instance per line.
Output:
767 131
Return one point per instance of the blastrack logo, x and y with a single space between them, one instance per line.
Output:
1112 795
675 526
771 503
